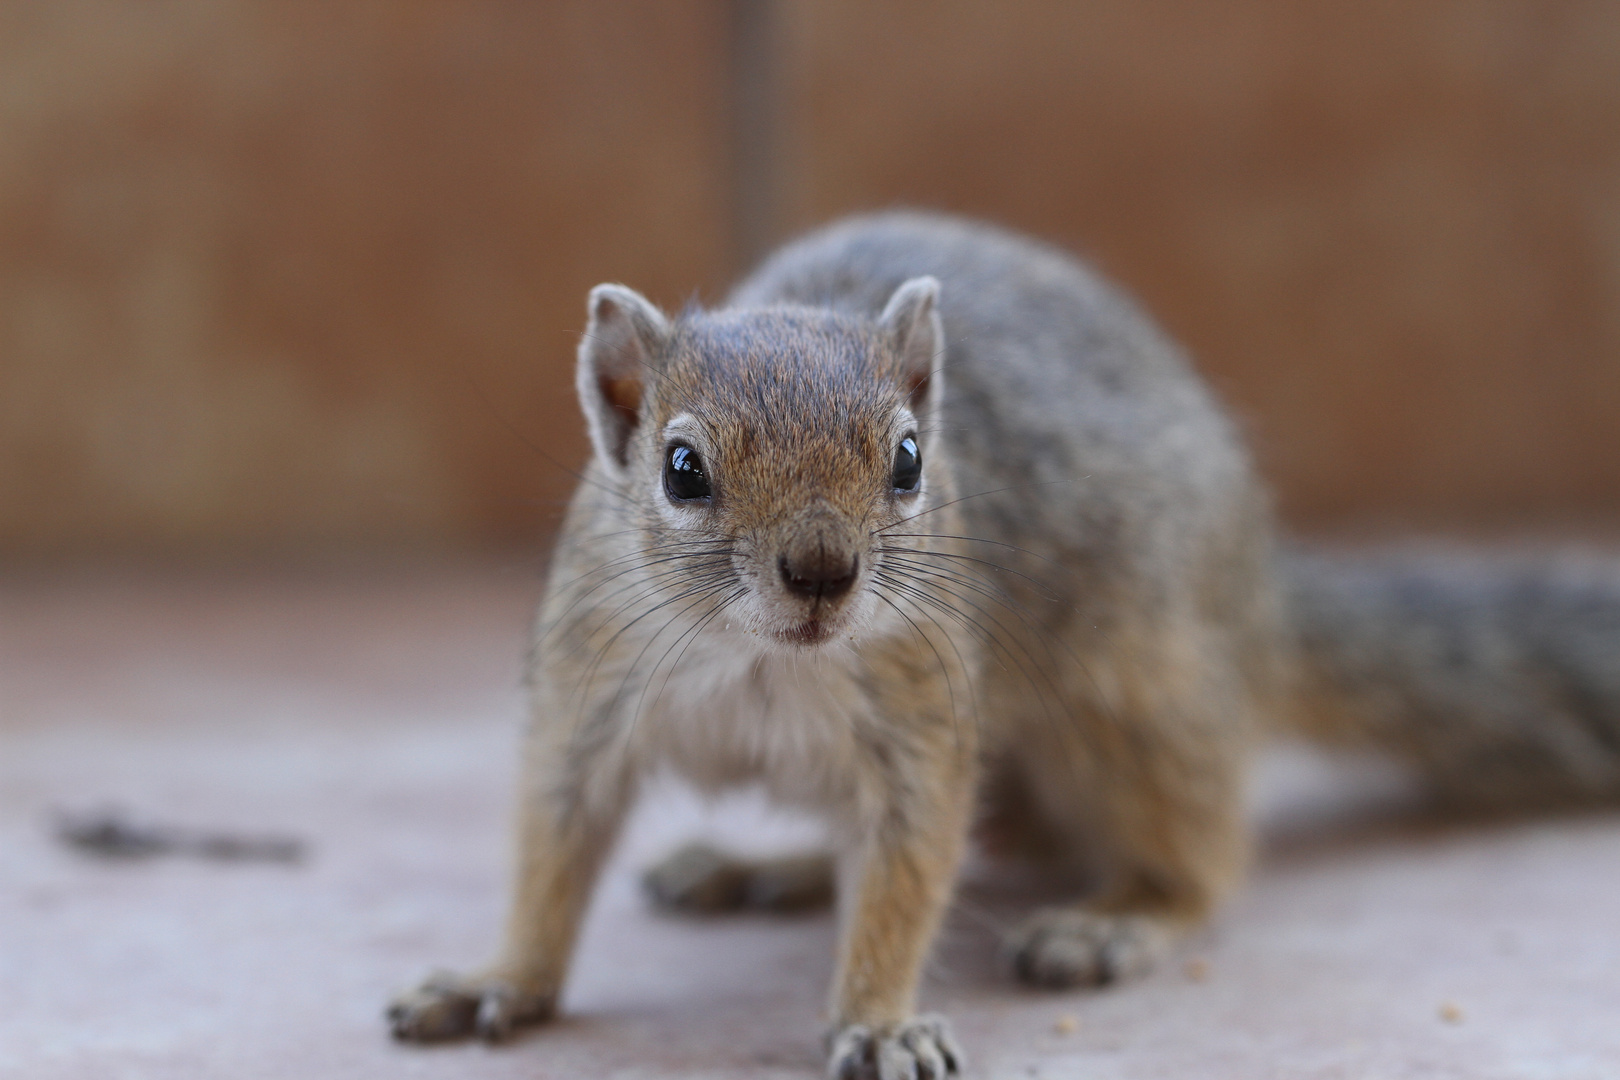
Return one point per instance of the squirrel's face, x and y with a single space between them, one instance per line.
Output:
767 453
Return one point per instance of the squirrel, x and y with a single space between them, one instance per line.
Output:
928 528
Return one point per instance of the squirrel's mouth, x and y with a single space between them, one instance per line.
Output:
809 632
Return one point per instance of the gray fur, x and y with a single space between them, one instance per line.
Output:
1498 677
1097 470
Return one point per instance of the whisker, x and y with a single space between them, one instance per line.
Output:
902 557
920 595
981 540
1046 638
701 594
711 564
982 494
694 631
682 575
966 669
949 690
601 654
1004 642
512 429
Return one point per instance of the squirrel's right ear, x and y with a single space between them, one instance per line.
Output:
624 333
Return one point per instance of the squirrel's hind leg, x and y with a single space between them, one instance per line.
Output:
699 879
1153 790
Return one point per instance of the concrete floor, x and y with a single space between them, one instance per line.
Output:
375 715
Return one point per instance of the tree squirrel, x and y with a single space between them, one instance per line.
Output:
928 526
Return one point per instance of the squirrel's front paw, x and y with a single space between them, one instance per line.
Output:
919 1049
451 1007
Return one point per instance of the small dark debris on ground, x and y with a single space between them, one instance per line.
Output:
111 834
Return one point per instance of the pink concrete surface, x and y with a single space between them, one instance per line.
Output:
376 712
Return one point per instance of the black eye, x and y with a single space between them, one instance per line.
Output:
907 465
684 479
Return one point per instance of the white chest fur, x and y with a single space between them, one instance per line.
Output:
732 714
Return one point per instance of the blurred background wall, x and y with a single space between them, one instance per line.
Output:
279 277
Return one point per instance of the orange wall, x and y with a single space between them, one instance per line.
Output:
278 275
1389 232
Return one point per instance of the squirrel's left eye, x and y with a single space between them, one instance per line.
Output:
907 465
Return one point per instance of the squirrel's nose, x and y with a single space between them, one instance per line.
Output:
822 575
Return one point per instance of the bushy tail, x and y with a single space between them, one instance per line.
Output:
1499 678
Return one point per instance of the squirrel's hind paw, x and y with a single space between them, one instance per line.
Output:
449 1007
701 880
1063 947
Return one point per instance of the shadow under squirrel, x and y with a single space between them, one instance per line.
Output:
927 516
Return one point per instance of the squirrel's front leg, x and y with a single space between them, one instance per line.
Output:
896 883
569 813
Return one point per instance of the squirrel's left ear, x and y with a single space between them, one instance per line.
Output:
625 334
911 321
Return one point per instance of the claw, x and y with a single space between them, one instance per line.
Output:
920 1049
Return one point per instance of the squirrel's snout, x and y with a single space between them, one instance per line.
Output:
822 575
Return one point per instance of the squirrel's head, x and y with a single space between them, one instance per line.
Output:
767 452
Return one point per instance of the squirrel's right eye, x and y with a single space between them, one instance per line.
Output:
684 479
